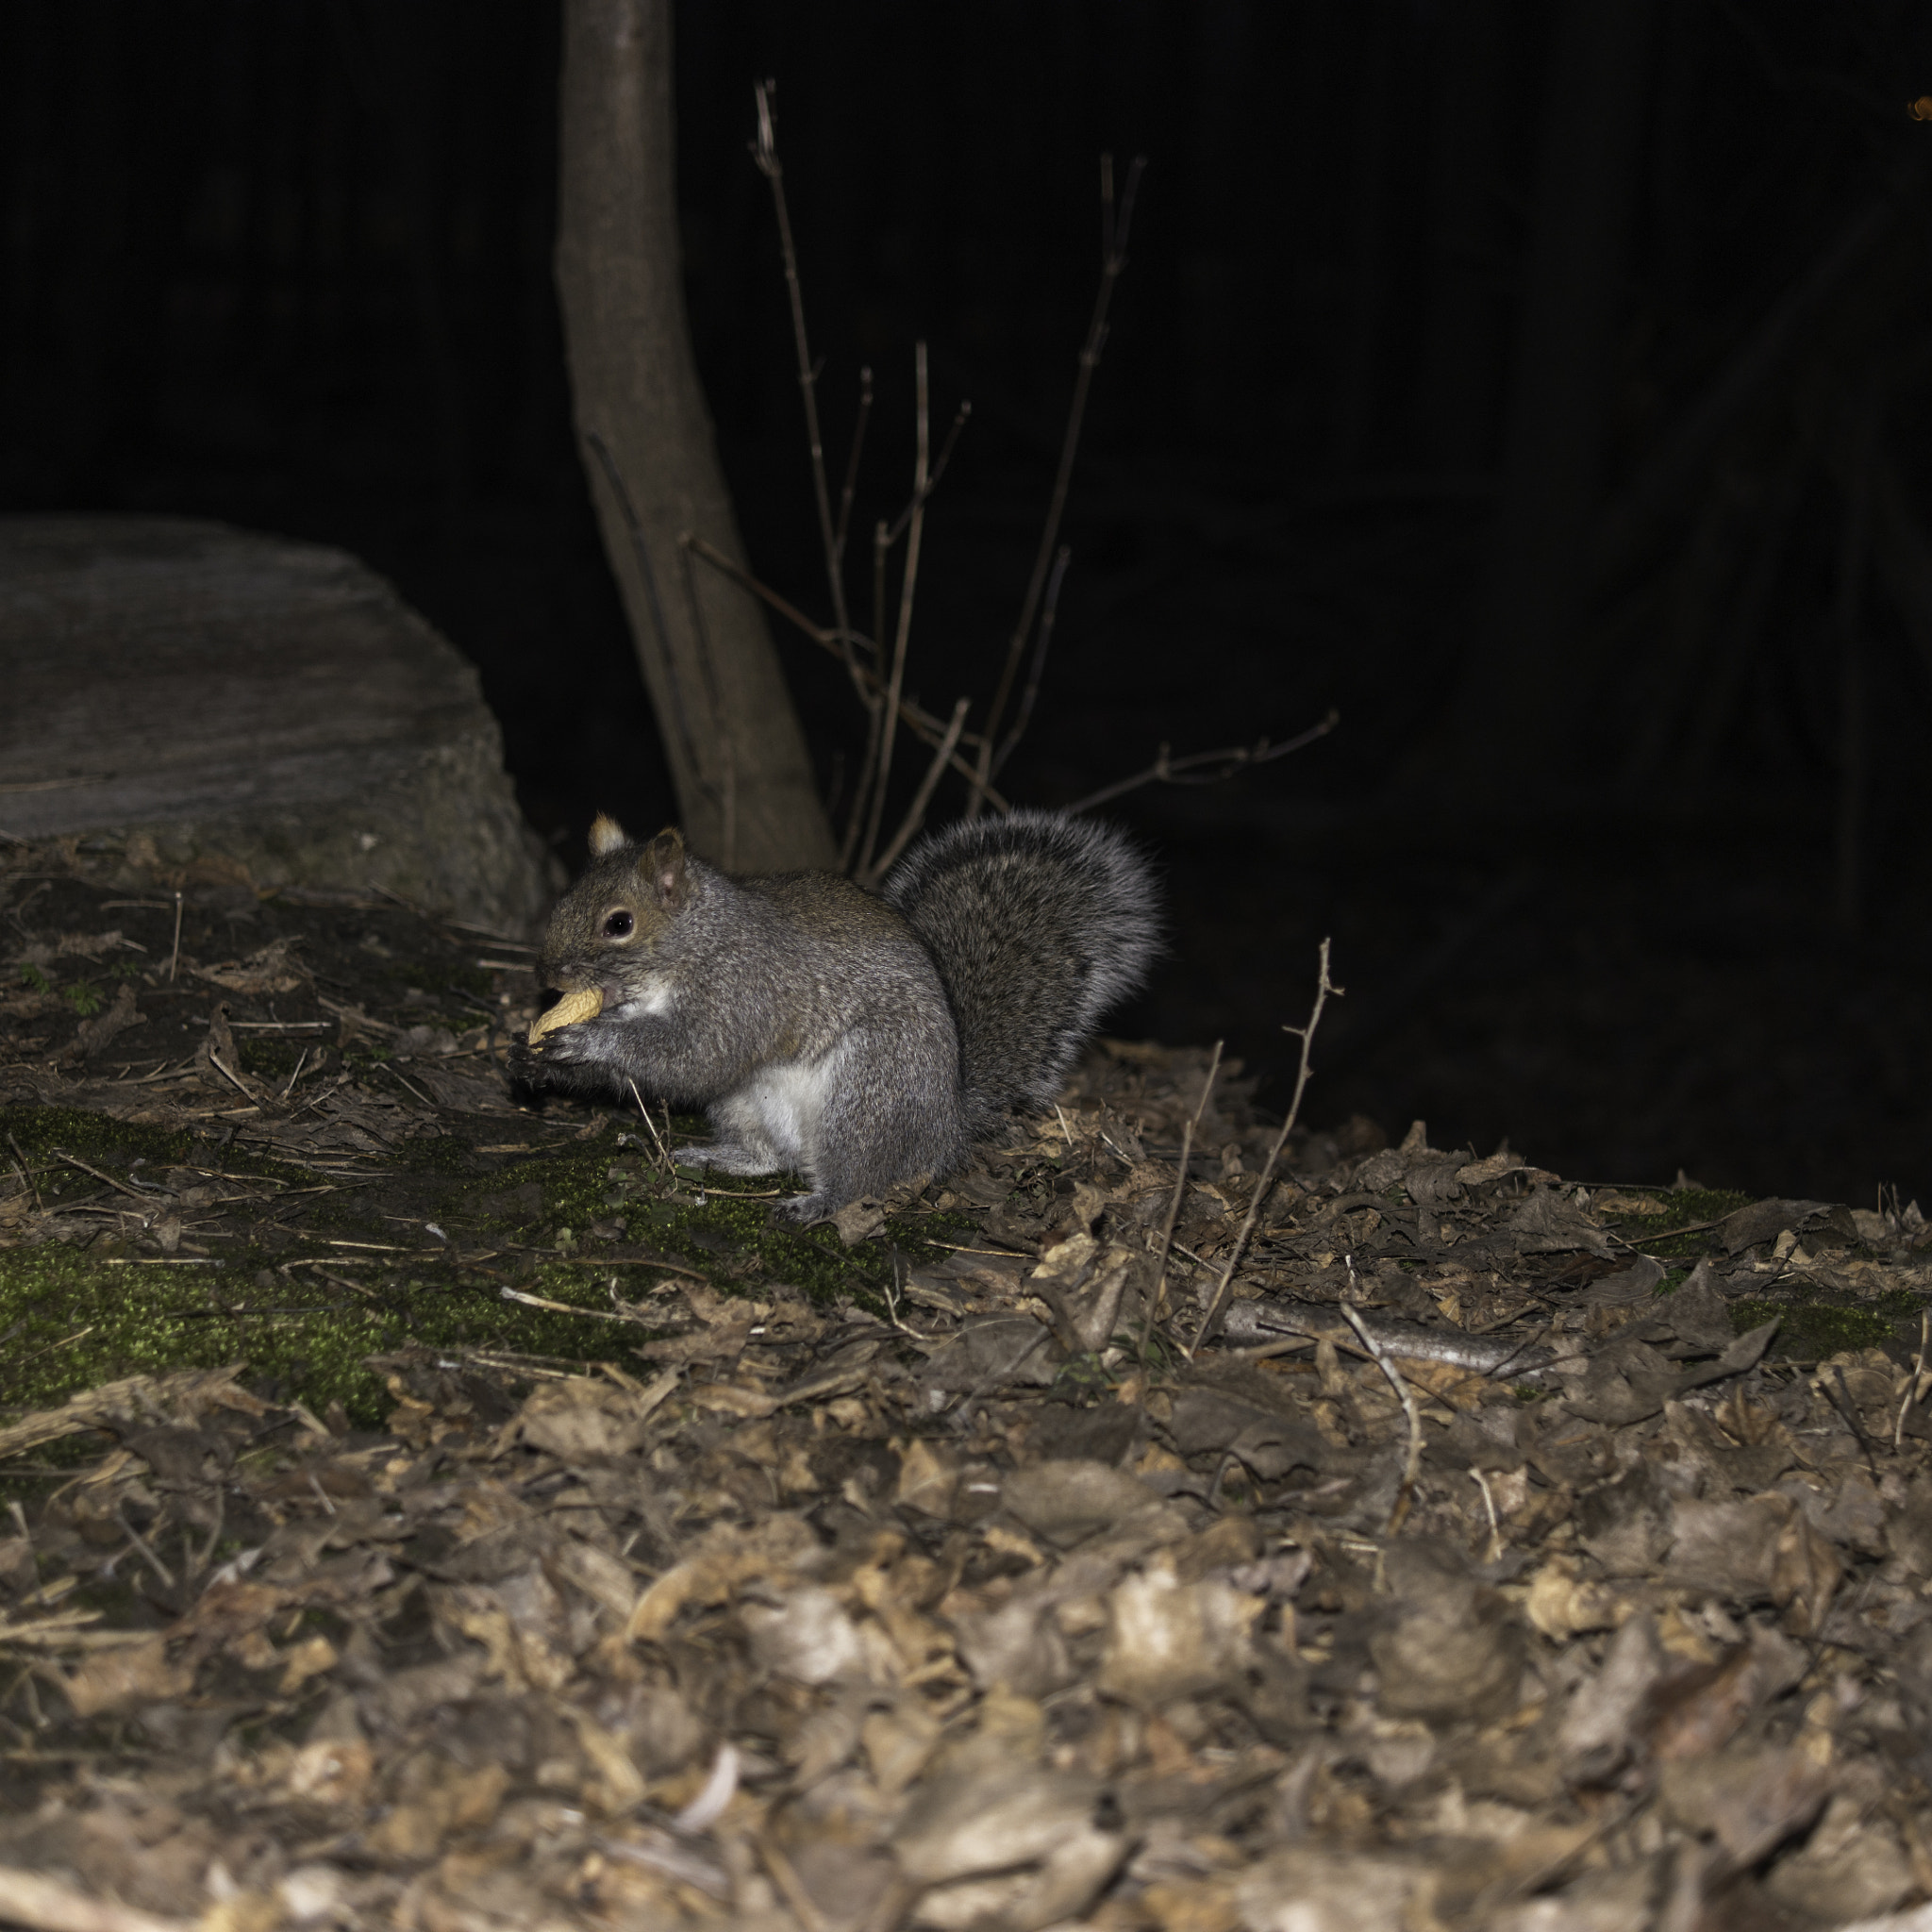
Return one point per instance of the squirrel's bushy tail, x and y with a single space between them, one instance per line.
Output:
1038 924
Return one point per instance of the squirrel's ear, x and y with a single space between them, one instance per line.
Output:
606 836
663 866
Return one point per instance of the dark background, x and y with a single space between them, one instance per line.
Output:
1545 386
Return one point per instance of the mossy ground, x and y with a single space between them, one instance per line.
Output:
286 1291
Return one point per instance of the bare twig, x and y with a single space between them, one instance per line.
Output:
1189 770
1173 1207
1113 258
1323 989
923 495
174 955
909 587
765 152
1042 642
869 764
26 1173
913 716
915 812
1404 1495
850 486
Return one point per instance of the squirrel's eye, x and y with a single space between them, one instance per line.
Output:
618 925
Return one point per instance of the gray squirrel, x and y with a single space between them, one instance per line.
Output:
857 1039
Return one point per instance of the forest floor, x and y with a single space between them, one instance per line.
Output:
423 1511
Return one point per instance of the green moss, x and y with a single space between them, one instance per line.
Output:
1810 1334
1687 1205
84 996
270 1058
1814 1328
441 1154
98 1138
77 1321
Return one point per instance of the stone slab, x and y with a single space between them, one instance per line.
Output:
221 698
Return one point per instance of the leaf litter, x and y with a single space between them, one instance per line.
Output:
1515 1554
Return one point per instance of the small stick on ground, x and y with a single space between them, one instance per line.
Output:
119 1187
1914 1388
26 1173
1495 1547
663 1151
1404 1495
1173 1207
175 956
1323 987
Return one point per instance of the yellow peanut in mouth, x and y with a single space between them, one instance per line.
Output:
568 1011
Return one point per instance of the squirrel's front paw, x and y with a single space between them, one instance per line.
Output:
725 1156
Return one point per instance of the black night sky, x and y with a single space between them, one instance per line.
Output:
1545 386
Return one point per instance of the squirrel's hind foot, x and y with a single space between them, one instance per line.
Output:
803 1209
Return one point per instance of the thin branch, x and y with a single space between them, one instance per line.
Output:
825 636
1404 1495
765 153
1173 1207
912 715
875 725
1034 671
915 813
923 495
1169 771
1115 229
1323 987
850 486
909 586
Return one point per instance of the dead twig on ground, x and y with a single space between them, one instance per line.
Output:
1915 1387
1404 1494
1173 1207
1323 987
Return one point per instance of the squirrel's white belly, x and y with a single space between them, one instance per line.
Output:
781 1107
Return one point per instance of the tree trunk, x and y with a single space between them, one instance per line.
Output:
1527 675
738 758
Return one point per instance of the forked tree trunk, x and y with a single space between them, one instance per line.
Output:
737 754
